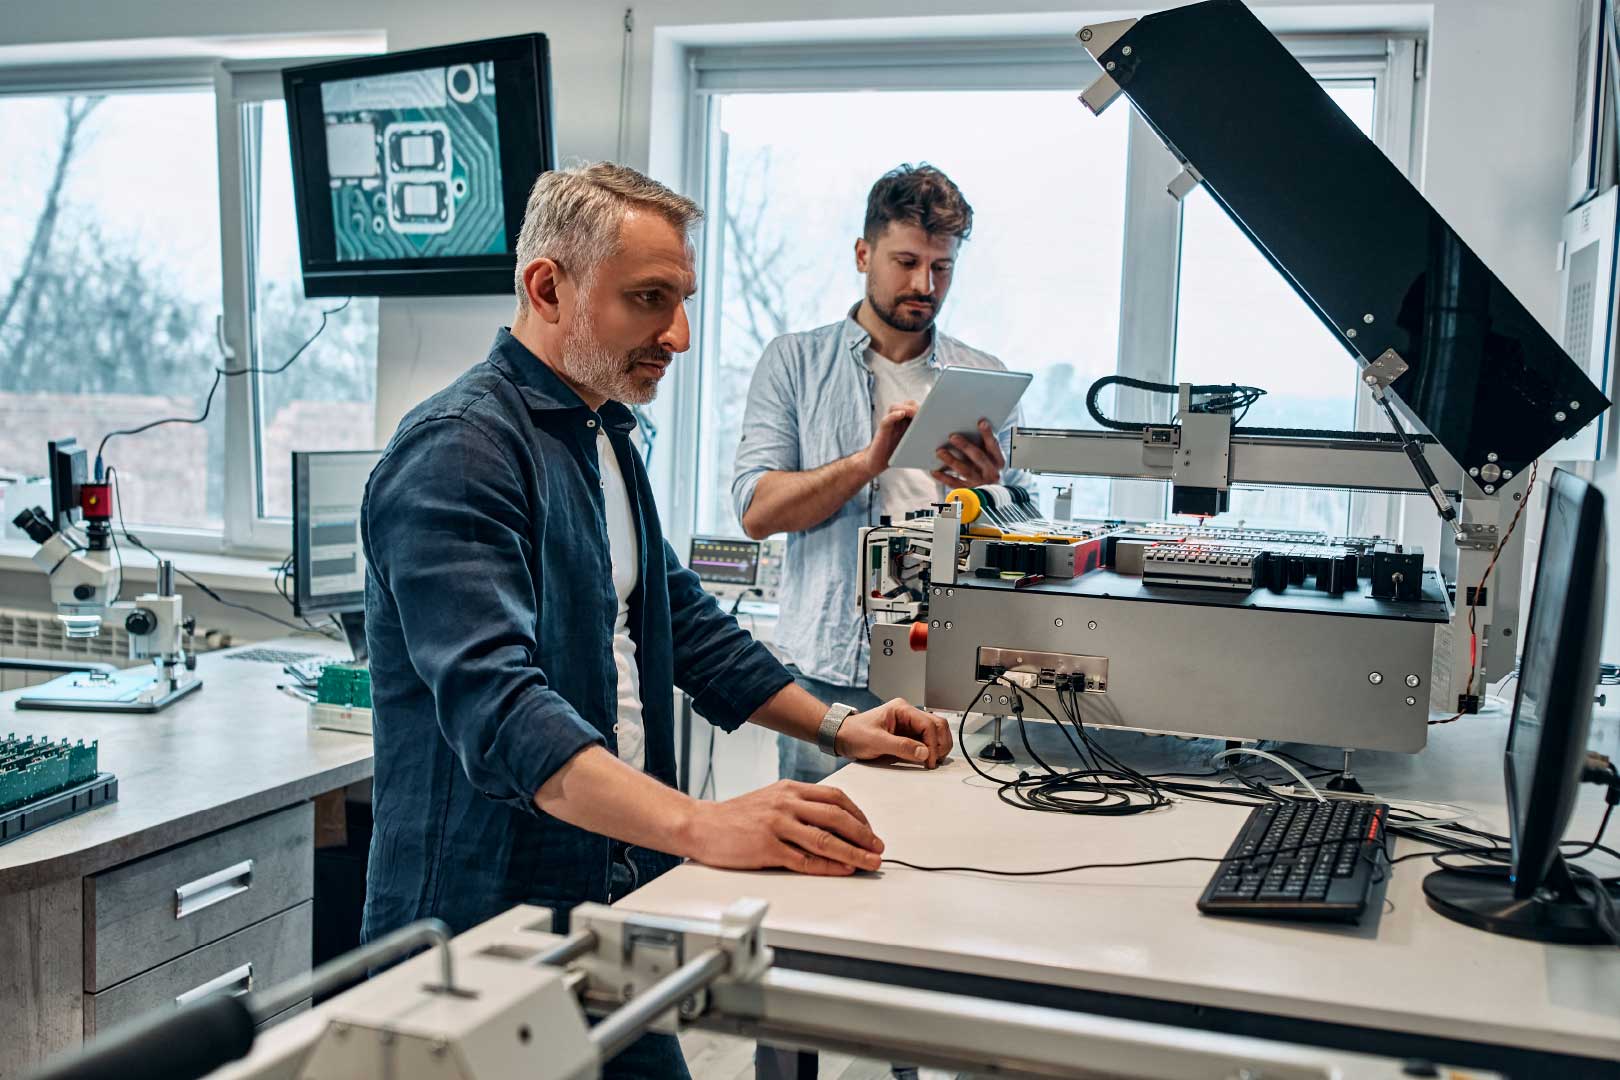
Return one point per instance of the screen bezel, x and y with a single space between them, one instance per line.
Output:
1539 816
711 584
303 604
527 149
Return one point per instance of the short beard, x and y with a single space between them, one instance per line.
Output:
588 363
907 323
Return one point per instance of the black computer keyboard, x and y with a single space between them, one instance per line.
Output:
1302 860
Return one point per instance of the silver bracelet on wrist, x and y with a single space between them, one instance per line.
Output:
827 733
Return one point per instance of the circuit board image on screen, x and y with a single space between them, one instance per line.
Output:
414 164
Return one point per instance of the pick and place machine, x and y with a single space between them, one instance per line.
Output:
1213 629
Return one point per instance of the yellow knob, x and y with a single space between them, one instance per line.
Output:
968 499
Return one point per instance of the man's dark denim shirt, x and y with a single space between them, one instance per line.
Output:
489 618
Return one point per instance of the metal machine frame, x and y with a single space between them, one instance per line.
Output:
509 999
1349 465
1459 367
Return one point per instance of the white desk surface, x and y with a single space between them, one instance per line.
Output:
234 749
1137 931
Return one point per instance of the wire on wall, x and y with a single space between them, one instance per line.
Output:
626 55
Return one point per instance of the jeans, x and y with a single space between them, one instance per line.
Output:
651 1057
802 761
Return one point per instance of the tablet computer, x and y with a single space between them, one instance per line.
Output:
960 397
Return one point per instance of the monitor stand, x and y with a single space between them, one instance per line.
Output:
354 628
1483 898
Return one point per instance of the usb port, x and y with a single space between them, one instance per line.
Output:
1048 677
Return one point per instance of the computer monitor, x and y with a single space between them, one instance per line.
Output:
411 170
1546 748
727 566
329 564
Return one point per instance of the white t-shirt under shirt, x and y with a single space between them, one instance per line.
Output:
900 490
626 557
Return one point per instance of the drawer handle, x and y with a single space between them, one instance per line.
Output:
241 978
210 890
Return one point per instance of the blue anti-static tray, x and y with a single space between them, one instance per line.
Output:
21 820
98 691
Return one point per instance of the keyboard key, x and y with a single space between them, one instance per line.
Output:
1292 857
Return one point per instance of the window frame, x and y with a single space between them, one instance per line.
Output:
133 77
233 83
238 84
1393 62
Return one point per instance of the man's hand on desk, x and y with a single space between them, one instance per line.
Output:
804 827
895 731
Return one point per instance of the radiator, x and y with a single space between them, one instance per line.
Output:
38 635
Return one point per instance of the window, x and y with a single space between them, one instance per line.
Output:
1079 265
1037 283
1239 321
109 285
147 240
326 398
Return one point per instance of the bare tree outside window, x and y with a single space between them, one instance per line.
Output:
110 288
1037 285
108 309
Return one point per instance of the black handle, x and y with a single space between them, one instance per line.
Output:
183 1045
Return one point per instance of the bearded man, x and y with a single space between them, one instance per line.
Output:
527 623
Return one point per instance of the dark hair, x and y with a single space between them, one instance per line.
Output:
918 195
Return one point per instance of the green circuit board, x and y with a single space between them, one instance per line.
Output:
33 768
342 684
414 163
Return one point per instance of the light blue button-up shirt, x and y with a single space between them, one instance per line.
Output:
810 403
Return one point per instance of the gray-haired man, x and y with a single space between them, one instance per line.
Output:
528 623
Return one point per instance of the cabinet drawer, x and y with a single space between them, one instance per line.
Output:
263 955
149 911
286 1014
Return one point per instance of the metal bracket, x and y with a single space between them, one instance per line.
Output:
1161 435
1185 180
1477 536
633 952
1386 369
1100 38
1100 94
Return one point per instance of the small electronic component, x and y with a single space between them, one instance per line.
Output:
1397 575
42 782
342 699
1200 566
31 768
409 150
348 685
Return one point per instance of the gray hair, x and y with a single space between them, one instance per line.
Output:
573 217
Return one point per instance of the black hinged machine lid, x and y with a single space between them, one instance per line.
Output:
1357 241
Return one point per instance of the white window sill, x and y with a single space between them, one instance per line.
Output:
233 572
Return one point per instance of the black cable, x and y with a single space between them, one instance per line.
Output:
1104 785
118 502
1479 591
1106 421
1297 760
118 557
1597 841
1061 869
221 373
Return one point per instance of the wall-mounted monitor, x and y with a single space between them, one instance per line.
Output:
411 170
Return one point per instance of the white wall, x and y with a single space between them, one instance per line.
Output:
1496 149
